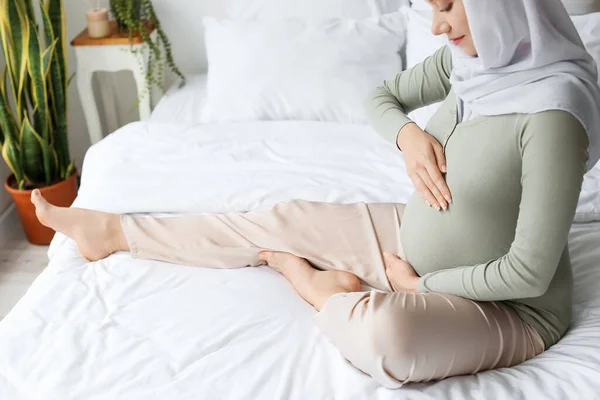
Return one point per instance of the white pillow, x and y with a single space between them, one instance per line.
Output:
246 9
299 70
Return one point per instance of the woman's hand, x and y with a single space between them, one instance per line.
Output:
401 274
425 163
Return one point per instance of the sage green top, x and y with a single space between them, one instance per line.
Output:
515 181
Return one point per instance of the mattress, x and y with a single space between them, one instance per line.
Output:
130 329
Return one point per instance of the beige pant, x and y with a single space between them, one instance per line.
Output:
394 337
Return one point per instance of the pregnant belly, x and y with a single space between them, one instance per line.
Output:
464 235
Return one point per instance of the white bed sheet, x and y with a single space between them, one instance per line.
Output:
135 329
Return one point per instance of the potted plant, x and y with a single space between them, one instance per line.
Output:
33 109
135 17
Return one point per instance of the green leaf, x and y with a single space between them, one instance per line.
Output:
56 15
53 14
13 36
32 153
11 154
70 169
10 142
47 56
14 33
41 116
23 76
29 10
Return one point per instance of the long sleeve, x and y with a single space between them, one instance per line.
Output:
554 153
424 84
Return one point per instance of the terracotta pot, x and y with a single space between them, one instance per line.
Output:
60 194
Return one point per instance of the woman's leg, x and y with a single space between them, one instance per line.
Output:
346 237
316 287
399 338
394 337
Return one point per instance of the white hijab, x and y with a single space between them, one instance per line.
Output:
530 59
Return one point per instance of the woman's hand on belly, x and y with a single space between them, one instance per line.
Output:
401 274
425 164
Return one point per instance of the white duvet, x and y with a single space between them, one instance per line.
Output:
135 329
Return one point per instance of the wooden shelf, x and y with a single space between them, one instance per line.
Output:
115 38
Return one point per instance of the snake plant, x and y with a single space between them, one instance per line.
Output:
33 93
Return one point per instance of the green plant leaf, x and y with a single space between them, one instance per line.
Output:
23 77
41 116
10 153
12 35
47 56
29 10
32 153
56 14
14 30
10 142
70 169
53 14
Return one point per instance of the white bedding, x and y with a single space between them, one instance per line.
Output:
135 329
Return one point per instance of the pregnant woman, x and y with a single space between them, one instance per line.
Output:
474 272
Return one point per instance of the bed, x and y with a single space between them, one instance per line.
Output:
130 329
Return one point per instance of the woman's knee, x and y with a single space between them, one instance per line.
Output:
392 338
376 337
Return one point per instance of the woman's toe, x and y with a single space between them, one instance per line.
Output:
265 255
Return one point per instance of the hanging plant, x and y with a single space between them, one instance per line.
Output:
136 17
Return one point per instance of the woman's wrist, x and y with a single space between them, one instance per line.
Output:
414 285
405 132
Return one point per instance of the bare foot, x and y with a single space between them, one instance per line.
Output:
314 286
96 233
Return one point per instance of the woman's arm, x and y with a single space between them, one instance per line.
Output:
424 84
554 153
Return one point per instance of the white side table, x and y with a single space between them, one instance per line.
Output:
111 54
